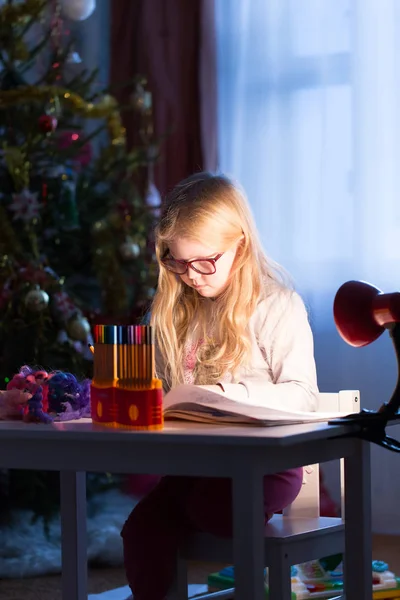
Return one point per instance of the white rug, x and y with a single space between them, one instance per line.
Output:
25 551
124 593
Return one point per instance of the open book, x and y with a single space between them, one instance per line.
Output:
205 404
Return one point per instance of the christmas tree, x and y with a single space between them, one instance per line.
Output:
76 209
75 212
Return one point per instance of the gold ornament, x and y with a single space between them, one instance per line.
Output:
78 328
36 300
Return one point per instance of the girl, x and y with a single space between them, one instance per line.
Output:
223 317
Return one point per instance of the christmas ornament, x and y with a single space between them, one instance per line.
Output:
141 99
73 58
25 206
36 300
78 328
129 250
78 10
47 123
105 107
153 198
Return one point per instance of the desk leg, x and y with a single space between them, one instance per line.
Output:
248 534
357 514
73 535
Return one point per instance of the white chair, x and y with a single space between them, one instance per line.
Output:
297 536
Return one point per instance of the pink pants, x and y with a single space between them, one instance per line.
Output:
177 507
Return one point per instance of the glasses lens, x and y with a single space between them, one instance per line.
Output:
204 267
174 266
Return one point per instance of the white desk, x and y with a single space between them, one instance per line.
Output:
243 453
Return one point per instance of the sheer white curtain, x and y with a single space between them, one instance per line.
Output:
309 98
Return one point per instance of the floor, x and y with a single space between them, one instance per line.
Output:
385 548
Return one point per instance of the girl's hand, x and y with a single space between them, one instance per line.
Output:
12 403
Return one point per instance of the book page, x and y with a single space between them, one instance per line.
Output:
189 398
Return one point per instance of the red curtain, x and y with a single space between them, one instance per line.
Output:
172 44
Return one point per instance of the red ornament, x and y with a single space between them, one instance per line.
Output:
47 123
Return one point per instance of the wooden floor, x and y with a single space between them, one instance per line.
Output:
385 548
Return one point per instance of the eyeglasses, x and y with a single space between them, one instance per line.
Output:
204 266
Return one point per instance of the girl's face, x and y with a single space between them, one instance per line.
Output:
208 286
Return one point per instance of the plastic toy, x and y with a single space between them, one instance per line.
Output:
31 381
310 581
45 397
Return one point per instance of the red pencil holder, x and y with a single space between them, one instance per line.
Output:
102 405
139 409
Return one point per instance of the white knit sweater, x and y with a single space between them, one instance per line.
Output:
282 368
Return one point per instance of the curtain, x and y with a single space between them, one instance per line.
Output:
172 44
308 117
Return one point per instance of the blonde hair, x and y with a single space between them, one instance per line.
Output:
210 207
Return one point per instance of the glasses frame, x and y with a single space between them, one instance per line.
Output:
189 263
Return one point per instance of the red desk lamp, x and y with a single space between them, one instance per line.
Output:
362 312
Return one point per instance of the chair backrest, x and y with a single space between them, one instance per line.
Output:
307 502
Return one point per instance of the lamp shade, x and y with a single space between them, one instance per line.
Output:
362 312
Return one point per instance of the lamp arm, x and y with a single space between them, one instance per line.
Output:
373 423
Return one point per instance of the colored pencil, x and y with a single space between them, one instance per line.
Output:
105 353
125 353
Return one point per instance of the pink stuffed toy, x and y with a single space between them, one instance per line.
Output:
13 403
